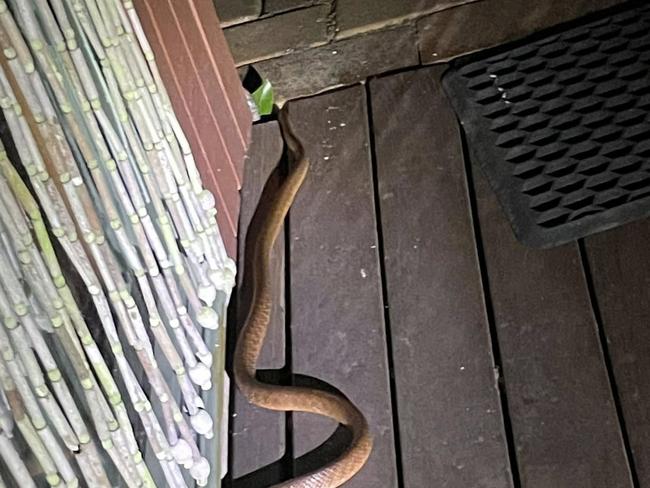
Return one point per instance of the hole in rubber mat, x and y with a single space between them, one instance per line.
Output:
560 124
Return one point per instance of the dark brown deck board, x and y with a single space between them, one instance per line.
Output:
337 326
451 425
564 422
258 437
620 267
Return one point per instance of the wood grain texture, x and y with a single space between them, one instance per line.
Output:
620 268
199 74
258 435
565 427
337 322
220 78
450 417
196 87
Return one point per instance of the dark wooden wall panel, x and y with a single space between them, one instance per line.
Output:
200 76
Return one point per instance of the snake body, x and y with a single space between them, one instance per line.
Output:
251 339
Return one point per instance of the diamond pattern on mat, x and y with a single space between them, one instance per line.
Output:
561 125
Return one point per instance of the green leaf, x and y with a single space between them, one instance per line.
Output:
263 98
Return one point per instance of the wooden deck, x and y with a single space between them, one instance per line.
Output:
479 362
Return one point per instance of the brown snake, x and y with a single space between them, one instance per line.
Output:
251 338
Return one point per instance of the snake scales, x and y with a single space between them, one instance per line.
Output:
251 339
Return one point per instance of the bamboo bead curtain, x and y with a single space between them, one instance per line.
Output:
116 278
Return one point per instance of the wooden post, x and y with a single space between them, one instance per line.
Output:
200 75
201 79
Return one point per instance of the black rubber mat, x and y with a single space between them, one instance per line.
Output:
560 125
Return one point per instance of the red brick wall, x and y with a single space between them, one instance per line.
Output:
200 76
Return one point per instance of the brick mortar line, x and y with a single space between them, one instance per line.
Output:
304 49
333 29
402 20
332 21
271 15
